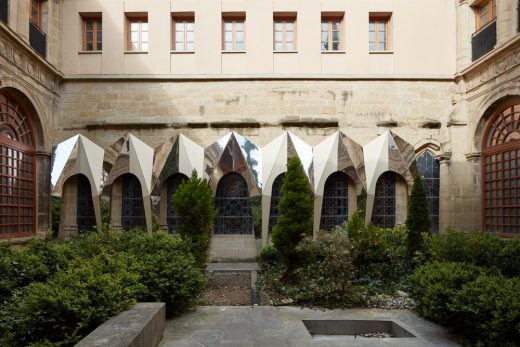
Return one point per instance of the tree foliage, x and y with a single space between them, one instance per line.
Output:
193 203
295 213
418 220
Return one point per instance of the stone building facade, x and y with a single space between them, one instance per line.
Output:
369 88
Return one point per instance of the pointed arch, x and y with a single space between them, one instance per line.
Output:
335 201
429 169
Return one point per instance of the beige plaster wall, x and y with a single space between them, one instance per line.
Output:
413 51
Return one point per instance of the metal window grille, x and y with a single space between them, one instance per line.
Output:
428 168
172 184
276 195
234 206
85 217
132 208
334 209
501 172
17 170
383 214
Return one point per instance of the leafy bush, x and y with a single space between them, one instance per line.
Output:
72 303
327 278
267 256
55 294
487 311
295 213
434 286
193 204
418 220
482 249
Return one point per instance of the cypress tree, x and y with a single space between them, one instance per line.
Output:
295 213
418 220
193 203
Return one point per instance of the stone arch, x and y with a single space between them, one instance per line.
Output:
77 207
390 200
428 145
498 100
171 185
276 194
35 112
337 194
232 200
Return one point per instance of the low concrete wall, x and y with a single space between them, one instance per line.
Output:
140 326
232 248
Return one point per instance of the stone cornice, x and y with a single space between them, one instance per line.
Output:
22 56
491 65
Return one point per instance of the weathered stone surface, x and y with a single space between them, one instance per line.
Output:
141 326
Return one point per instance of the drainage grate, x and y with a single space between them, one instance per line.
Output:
324 329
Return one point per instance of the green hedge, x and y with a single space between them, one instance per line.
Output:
54 294
481 307
481 249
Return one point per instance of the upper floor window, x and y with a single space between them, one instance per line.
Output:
36 12
378 33
92 34
137 34
284 33
184 33
331 33
233 33
486 13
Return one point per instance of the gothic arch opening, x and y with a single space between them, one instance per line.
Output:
18 169
429 169
335 201
172 184
276 195
234 207
384 211
501 171
132 207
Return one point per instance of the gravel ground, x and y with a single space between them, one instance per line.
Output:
228 289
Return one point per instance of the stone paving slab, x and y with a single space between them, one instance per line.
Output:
259 326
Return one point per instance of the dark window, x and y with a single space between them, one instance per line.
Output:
428 168
383 214
484 40
17 170
92 34
276 195
86 219
4 10
234 207
37 39
172 184
501 171
334 210
132 209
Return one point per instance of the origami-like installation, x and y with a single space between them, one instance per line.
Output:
274 164
388 152
80 159
337 160
175 159
136 158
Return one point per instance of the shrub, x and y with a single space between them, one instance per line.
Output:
193 204
487 311
73 303
482 249
268 256
418 220
435 284
508 258
295 213
326 279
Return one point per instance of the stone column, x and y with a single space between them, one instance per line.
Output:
163 208
505 16
116 205
445 193
43 192
68 217
465 27
401 200
475 189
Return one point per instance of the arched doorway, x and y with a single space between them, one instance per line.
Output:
276 195
132 208
501 172
334 210
17 169
234 207
428 168
384 211
172 184
85 216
